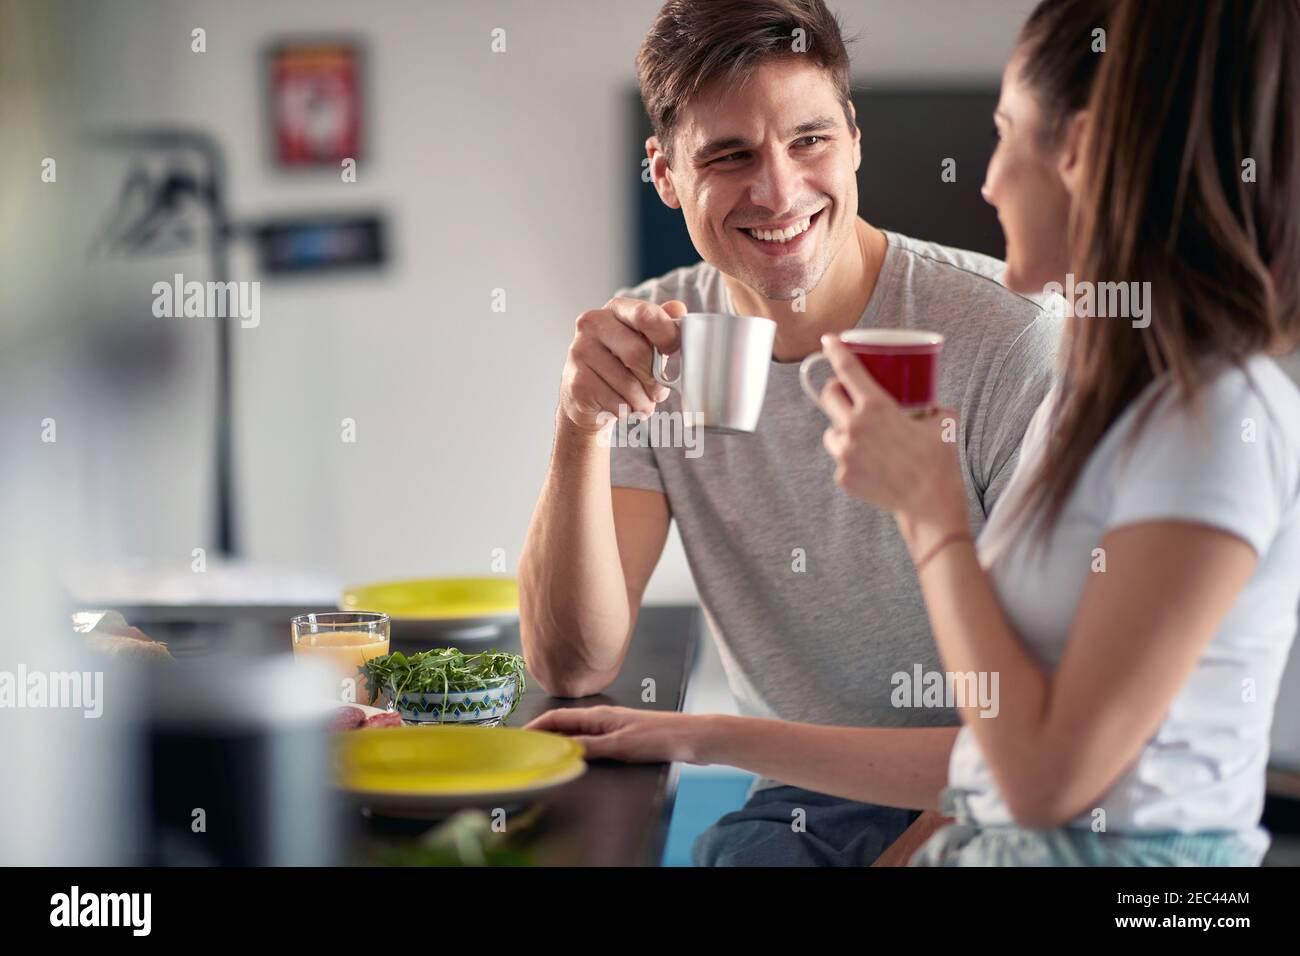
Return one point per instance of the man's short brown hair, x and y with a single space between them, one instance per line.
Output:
694 43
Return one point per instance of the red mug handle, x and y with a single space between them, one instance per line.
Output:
805 370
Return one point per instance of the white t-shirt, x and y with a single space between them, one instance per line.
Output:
1238 469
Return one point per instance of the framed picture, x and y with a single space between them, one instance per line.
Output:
315 103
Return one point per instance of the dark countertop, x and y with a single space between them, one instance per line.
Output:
614 815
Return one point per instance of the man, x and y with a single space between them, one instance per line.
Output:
811 595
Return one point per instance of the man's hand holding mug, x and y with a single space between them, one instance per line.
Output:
610 357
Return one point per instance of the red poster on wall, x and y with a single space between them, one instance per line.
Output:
316 103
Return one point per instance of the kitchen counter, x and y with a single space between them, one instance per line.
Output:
614 815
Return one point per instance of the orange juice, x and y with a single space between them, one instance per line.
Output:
345 651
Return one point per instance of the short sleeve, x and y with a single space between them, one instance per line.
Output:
1023 381
632 466
1228 465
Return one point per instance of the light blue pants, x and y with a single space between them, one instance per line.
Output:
966 843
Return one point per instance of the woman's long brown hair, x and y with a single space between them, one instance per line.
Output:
1191 182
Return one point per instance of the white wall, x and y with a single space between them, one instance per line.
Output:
497 171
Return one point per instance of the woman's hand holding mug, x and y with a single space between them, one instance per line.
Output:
892 459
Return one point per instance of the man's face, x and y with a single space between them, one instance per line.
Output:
773 157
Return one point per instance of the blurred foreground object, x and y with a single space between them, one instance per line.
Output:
240 765
107 632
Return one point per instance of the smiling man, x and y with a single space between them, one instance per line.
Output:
810 594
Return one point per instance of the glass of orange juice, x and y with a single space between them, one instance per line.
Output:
344 640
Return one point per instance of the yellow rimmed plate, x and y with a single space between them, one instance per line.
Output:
429 771
439 610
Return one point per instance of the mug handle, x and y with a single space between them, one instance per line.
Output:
658 368
805 370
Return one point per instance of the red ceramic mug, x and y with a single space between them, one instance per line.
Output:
904 361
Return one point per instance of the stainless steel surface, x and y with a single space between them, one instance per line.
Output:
724 364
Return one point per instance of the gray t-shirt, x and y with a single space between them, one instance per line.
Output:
811 593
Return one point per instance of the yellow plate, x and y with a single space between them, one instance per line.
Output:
413 771
437 599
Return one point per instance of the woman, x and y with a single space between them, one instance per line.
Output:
1136 590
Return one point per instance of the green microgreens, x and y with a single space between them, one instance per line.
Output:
444 670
